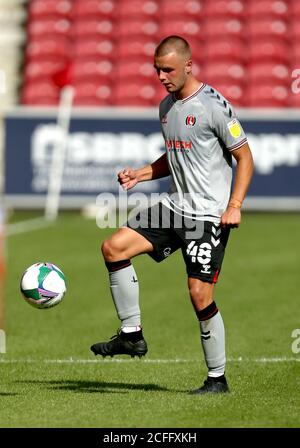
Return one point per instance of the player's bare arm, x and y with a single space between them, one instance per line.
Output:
244 171
129 177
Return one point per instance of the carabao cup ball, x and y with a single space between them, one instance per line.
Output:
43 285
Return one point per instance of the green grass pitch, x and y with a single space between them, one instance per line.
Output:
49 378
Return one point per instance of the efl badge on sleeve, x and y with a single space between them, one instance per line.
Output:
234 128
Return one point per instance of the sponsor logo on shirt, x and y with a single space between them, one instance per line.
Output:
190 120
234 128
178 145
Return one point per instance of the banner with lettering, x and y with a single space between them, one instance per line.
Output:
98 146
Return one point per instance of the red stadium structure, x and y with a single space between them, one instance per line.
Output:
247 49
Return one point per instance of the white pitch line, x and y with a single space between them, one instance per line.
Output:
26 226
146 361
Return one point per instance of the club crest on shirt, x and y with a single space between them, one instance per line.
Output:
190 120
164 119
234 128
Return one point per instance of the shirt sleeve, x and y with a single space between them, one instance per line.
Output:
226 125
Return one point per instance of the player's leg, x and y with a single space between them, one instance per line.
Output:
203 257
125 244
212 334
142 235
117 252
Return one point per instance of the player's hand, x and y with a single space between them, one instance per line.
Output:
127 178
231 217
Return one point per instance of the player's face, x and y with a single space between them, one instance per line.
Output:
172 71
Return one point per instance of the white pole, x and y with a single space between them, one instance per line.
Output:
2 239
2 279
59 151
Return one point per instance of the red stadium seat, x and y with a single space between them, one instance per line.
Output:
141 27
40 101
147 9
91 101
269 72
134 69
294 30
224 8
92 93
198 47
266 95
219 28
268 49
230 49
295 9
42 70
91 9
198 69
39 93
294 99
42 9
268 8
48 47
95 29
266 28
49 27
132 102
183 27
216 72
134 93
142 46
94 47
178 9
295 54
91 69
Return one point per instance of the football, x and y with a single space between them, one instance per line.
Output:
43 285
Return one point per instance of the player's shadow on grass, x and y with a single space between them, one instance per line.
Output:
82 386
8 394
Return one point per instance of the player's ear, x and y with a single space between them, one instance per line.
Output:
188 66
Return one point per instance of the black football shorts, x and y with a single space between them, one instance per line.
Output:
202 242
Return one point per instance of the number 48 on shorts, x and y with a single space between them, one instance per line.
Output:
204 257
